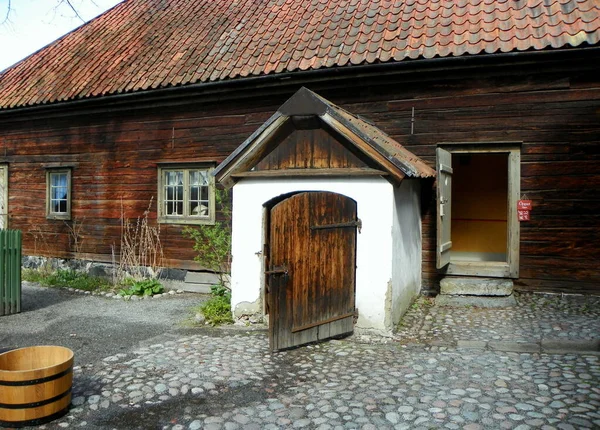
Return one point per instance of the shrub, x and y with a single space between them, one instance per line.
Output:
213 242
217 310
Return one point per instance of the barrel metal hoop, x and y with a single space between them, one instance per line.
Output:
36 381
34 422
35 404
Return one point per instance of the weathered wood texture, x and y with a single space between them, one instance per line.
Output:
114 161
553 109
312 255
310 149
35 384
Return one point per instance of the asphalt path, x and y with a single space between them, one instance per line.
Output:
93 327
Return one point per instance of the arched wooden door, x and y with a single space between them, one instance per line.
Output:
311 266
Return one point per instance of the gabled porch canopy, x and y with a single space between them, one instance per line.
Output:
306 110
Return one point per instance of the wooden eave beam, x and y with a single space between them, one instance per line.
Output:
331 172
352 136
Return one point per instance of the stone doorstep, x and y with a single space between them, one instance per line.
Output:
476 301
463 286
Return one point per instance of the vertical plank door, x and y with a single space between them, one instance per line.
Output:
312 266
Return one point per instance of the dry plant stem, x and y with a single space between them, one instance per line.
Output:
75 234
140 247
41 246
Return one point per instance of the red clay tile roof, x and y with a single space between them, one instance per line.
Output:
146 44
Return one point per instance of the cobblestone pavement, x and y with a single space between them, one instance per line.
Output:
536 317
440 371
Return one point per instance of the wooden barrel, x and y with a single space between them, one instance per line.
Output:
35 385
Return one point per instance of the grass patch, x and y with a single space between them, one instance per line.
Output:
32 275
66 278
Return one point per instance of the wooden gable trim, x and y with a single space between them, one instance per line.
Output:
257 146
349 134
306 110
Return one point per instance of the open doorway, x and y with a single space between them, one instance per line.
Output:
478 187
479 207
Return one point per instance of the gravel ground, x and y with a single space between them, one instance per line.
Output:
93 327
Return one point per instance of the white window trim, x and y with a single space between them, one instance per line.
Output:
186 219
60 215
510 268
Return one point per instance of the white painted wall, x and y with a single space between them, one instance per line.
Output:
406 254
375 206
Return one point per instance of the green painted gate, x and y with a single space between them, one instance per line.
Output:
10 272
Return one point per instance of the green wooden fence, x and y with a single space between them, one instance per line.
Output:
10 272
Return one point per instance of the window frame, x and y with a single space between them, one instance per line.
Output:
186 218
510 268
65 216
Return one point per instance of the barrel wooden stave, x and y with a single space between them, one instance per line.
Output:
35 384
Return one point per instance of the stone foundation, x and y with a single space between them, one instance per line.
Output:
172 279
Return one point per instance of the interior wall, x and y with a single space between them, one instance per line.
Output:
479 206
406 254
375 200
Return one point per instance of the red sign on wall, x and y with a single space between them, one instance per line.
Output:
523 215
524 205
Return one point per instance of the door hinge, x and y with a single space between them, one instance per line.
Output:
278 270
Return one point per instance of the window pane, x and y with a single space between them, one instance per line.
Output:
173 192
189 201
58 192
198 193
194 177
203 177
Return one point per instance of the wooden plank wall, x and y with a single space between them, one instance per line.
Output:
309 149
555 114
557 117
114 170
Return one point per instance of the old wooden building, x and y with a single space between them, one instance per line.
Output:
502 98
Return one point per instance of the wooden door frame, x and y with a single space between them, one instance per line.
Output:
510 268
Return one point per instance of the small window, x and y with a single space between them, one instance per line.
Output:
58 194
186 195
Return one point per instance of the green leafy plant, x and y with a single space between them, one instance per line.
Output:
217 310
146 287
213 242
